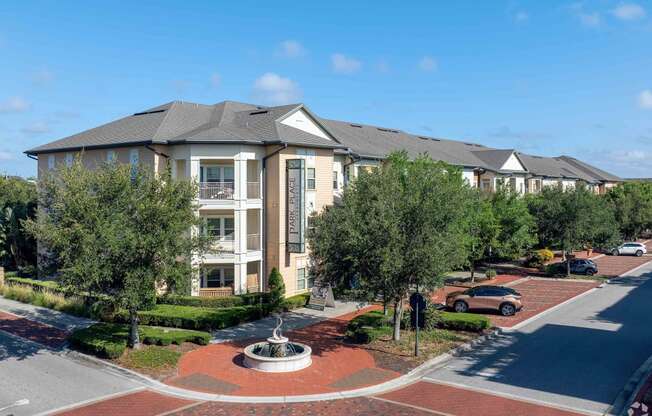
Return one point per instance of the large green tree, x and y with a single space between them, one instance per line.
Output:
17 203
397 227
119 232
516 226
571 219
482 229
632 203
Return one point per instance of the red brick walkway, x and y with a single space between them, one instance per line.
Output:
455 401
336 366
617 265
142 403
46 335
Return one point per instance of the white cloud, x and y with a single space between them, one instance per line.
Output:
216 80
590 19
291 49
428 64
630 156
587 18
42 77
345 65
4 155
34 129
521 17
629 11
273 89
645 99
15 105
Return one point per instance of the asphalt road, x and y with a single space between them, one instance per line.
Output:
579 356
48 380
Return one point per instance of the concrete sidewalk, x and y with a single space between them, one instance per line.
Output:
296 319
46 316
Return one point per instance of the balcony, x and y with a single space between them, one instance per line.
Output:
253 190
216 190
253 242
216 292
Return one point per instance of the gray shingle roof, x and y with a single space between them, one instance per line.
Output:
590 170
229 121
178 122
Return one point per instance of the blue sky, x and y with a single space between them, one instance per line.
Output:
549 78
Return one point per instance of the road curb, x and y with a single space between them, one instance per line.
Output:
626 397
413 376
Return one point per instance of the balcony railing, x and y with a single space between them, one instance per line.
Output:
253 242
253 190
216 292
216 190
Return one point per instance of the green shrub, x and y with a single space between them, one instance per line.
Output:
455 321
540 257
490 273
296 301
102 340
34 284
368 327
276 290
110 340
166 336
190 317
225 302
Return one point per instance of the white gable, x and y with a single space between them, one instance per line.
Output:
512 164
300 120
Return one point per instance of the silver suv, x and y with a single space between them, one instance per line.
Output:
636 249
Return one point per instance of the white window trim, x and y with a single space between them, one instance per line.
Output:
221 177
222 228
204 282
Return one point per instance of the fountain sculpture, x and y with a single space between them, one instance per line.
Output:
277 354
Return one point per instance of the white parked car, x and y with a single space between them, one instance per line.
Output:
636 249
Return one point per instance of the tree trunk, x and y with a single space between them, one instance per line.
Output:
398 315
568 271
472 271
134 339
385 309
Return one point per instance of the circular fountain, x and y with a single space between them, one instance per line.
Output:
277 354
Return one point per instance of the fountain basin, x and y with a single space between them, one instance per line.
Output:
286 364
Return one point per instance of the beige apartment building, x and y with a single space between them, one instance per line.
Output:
262 171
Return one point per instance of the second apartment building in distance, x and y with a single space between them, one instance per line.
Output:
262 171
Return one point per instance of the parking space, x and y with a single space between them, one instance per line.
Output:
616 265
539 295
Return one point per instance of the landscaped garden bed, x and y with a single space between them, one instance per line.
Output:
443 331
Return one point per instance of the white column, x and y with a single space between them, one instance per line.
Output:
240 278
194 280
192 169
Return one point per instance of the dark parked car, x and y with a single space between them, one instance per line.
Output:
577 266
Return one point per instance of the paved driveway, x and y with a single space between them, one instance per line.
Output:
46 378
579 356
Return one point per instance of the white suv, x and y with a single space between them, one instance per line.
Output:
637 249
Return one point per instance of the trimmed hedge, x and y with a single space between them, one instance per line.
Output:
225 302
102 340
110 340
34 284
368 327
191 317
296 301
455 321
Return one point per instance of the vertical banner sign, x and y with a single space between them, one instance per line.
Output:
295 193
